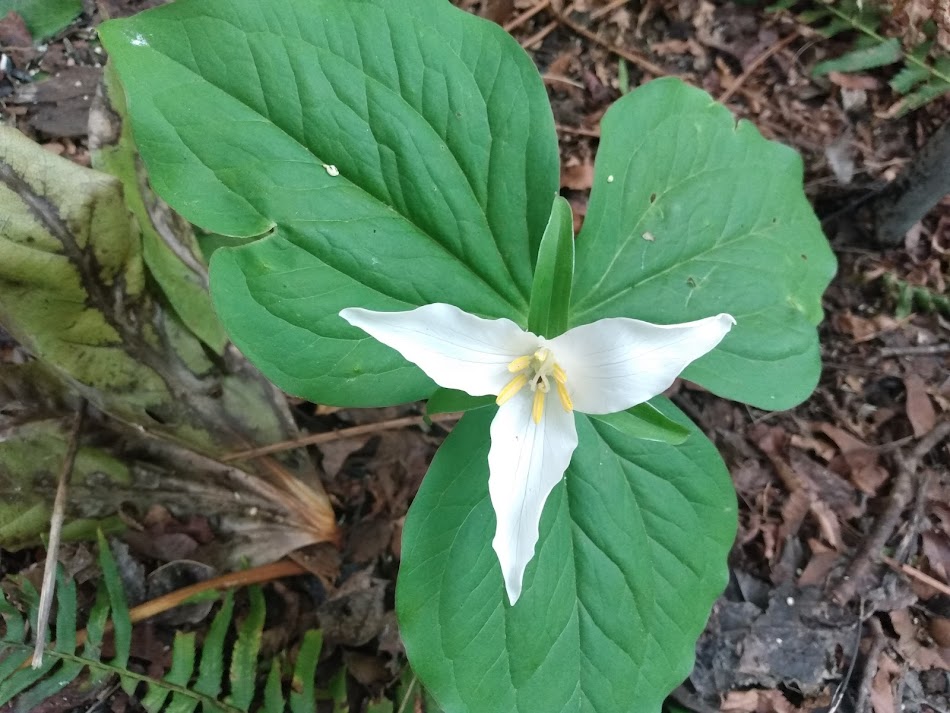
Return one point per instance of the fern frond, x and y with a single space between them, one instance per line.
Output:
196 678
920 80
877 55
908 298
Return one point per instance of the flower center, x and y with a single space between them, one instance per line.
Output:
536 371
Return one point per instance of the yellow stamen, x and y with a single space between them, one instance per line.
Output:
563 395
560 376
519 364
537 408
511 388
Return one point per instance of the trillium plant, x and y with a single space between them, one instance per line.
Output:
614 364
383 177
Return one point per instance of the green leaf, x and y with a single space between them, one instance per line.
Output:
303 689
452 400
923 94
121 621
273 692
835 26
692 214
43 17
646 421
551 289
810 17
246 648
441 132
908 78
878 55
211 667
631 556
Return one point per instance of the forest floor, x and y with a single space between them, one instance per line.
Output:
813 617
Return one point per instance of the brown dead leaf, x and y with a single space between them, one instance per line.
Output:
336 452
854 81
369 539
860 461
882 694
578 177
356 613
818 568
831 487
862 329
936 548
59 106
828 523
16 40
369 670
756 701
939 629
499 11
918 654
740 702
920 409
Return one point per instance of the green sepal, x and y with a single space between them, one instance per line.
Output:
647 422
554 273
452 400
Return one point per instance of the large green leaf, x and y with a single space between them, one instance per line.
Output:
394 155
694 214
631 556
43 17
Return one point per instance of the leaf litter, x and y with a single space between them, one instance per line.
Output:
813 482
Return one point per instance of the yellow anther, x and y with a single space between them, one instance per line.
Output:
512 388
519 364
563 395
537 408
536 370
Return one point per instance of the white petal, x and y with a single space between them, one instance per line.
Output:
525 462
617 363
456 349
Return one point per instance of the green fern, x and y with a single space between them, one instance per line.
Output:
183 689
908 298
919 80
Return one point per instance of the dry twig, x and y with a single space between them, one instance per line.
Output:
55 531
870 664
631 56
544 31
941 587
920 350
233 580
754 65
516 22
317 438
579 131
900 497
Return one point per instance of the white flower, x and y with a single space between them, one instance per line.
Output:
610 365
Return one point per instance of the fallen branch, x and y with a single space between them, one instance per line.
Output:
901 495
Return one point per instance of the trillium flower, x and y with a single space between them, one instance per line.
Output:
607 366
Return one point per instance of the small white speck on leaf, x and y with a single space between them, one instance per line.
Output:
610 179
331 169
139 41
778 641
649 237
790 601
